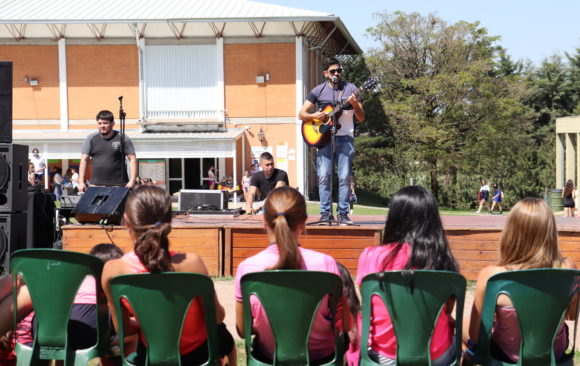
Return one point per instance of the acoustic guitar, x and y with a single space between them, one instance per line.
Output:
315 132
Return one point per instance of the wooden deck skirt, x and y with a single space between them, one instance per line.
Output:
224 241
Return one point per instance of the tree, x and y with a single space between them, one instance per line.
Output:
437 85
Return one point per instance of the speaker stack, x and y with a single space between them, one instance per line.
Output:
13 173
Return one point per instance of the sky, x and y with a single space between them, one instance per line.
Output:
529 30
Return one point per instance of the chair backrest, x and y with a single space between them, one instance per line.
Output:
53 278
160 302
414 300
540 298
290 299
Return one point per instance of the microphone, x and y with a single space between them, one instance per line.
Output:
335 79
121 98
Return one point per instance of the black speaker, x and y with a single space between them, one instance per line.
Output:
12 236
101 205
203 199
6 102
13 173
41 231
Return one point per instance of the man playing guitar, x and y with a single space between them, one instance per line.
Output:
332 92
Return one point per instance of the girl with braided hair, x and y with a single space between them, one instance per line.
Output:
148 219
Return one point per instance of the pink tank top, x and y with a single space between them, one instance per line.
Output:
382 335
506 334
193 334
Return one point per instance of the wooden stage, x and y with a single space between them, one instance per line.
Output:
224 241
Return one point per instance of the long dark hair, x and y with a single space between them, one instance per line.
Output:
284 210
569 187
148 215
414 219
352 300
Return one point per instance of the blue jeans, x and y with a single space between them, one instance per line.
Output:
343 157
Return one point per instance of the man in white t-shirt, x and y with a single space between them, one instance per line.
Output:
39 165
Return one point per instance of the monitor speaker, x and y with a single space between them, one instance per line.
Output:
12 237
104 205
202 199
6 102
13 173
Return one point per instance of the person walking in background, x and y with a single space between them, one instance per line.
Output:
497 198
31 175
57 183
569 197
483 196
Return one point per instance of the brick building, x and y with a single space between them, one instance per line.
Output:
203 83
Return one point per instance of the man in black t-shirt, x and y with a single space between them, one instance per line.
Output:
262 183
104 148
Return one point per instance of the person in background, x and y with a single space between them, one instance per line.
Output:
212 177
246 183
497 198
569 198
39 165
57 183
483 196
31 175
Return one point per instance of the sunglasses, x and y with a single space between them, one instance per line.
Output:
334 71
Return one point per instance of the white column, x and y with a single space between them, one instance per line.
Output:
140 52
300 146
221 91
559 161
570 157
63 85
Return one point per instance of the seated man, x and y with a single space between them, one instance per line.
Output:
263 182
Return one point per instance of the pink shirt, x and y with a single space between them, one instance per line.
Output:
382 335
321 342
87 293
506 334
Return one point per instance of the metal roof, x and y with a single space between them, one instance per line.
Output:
107 11
56 19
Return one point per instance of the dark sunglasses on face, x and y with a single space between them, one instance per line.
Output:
334 71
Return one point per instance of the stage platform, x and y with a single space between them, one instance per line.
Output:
224 241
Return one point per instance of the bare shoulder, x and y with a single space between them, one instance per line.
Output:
569 263
114 267
487 272
188 262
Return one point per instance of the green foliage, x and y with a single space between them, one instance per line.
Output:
453 108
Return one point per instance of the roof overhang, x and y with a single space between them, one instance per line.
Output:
67 145
182 19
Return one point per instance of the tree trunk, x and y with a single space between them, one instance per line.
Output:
434 181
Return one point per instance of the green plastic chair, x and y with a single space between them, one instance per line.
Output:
290 299
414 300
53 278
160 302
540 297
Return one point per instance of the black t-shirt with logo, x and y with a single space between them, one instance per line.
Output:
107 158
266 185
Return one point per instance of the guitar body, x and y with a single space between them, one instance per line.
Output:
317 133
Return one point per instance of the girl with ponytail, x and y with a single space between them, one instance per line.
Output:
147 218
284 220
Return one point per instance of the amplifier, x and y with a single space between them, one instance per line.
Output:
203 199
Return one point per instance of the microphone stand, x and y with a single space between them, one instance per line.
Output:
122 115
